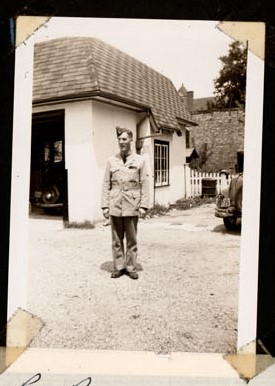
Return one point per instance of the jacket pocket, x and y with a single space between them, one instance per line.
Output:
136 199
114 169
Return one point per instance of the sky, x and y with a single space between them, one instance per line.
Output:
187 52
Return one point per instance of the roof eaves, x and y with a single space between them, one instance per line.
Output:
166 128
122 99
90 95
66 98
186 122
155 126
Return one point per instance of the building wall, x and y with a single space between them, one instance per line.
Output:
178 159
90 139
165 195
144 134
217 138
80 160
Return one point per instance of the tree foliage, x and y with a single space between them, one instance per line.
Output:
230 85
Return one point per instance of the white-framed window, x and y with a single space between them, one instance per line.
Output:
161 163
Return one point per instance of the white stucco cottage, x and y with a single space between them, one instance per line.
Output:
82 89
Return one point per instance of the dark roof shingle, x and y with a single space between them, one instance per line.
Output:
76 67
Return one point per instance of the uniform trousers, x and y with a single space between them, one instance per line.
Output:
120 227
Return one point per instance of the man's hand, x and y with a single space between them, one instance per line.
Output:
106 213
142 212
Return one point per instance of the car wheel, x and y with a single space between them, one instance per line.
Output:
50 195
230 223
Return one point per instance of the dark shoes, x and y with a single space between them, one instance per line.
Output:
117 274
133 275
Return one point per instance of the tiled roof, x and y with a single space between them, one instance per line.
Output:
85 67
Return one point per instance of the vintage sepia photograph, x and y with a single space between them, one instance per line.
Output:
133 187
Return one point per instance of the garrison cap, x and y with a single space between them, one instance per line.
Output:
120 130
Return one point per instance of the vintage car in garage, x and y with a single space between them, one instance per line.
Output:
229 201
48 175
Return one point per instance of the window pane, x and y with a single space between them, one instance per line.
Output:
57 151
161 163
158 179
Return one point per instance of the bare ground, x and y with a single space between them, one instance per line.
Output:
185 299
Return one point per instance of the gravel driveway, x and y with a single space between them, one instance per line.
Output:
185 299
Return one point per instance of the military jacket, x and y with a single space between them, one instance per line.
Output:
125 185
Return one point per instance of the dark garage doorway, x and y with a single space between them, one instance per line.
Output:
48 179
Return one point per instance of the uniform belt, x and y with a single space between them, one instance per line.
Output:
126 186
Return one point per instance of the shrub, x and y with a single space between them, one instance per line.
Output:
79 225
187 203
157 210
181 204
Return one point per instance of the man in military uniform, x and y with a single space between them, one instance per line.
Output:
125 198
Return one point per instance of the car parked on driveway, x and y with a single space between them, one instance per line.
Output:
229 201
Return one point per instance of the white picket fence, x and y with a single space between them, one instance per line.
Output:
194 185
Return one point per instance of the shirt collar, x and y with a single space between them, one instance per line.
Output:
125 155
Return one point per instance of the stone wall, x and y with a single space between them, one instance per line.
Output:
217 138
